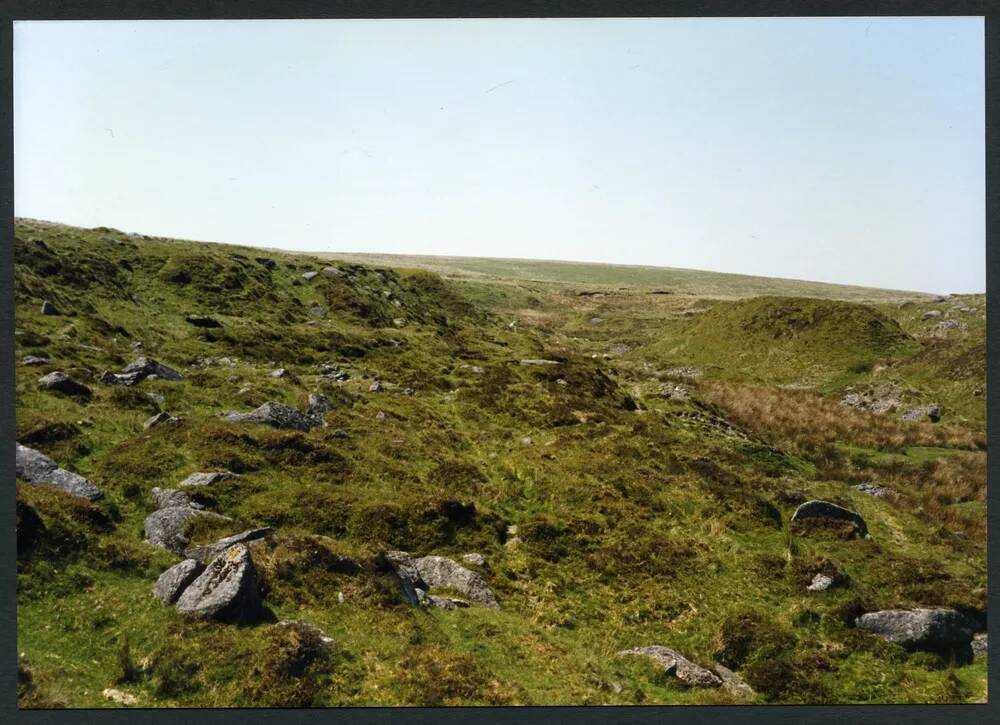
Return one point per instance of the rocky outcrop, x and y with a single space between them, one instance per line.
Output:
936 630
276 415
825 510
673 663
227 590
176 579
418 575
60 382
35 467
931 412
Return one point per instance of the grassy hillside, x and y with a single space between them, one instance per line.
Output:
615 276
635 490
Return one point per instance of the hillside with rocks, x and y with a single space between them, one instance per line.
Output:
249 477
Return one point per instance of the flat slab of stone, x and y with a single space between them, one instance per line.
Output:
206 553
826 510
227 590
176 579
207 478
276 415
675 664
539 361
37 468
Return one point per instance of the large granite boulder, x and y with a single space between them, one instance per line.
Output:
35 467
936 630
673 663
816 509
227 590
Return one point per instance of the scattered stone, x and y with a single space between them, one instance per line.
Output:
49 309
331 270
409 392
827 510
159 419
980 645
820 583
872 490
202 321
309 276
933 412
35 467
319 404
684 372
34 360
317 311
276 415
798 386
733 683
560 381
951 325
527 441
474 558
936 630
539 361
939 299
375 387
437 571
206 553
967 310
331 371
207 478
596 320
675 664
432 600
122 698
930 314
380 416
227 590
340 598
619 349
874 401
165 527
142 368
418 575
672 391
60 382
340 433
176 579
281 373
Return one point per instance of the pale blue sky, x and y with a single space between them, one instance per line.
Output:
841 150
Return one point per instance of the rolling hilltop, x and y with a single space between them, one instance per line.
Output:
604 276
250 478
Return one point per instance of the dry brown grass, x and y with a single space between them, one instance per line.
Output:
806 422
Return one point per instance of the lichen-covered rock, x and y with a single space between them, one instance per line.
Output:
227 590
35 467
733 683
207 478
673 663
60 382
872 490
980 645
931 412
176 579
165 527
276 415
937 630
820 583
826 510
437 571
34 360
210 551
474 558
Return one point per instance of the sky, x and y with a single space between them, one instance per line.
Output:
845 150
